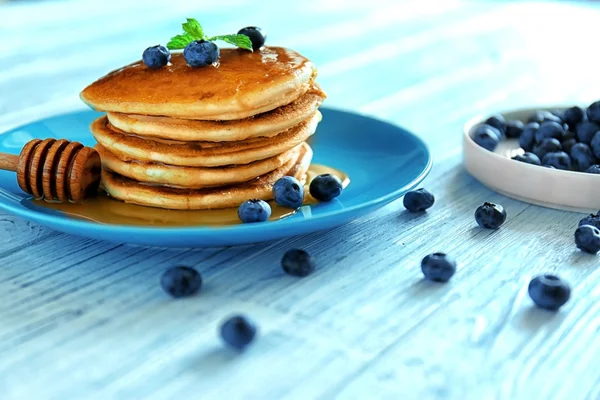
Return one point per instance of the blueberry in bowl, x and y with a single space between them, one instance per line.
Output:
582 157
545 146
514 129
529 158
558 160
548 130
527 138
594 169
487 137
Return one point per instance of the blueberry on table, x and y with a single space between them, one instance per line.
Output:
298 263
201 53
438 267
527 139
490 215
572 116
582 157
593 112
549 292
594 169
567 145
529 158
595 144
558 160
254 211
418 200
514 129
288 192
587 238
325 187
487 137
586 130
592 220
548 130
181 281
238 332
545 146
156 56
498 122
256 35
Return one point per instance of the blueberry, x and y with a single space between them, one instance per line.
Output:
254 211
498 122
288 192
325 187
238 332
567 145
549 145
156 56
587 238
594 169
257 36
490 215
593 112
528 158
548 130
558 160
514 129
418 200
586 130
201 53
487 137
541 116
592 219
572 116
582 157
527 139
549 292
595 144
297 262
438 267
181 281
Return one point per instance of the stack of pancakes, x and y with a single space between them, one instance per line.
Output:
204 138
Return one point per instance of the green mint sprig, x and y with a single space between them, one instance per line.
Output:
192 30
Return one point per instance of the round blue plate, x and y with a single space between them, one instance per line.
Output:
382 160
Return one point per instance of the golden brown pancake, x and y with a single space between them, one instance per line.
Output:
193 177
241 85
262 125
130 191
200 154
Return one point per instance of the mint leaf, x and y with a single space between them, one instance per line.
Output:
193 28
180 41
241 41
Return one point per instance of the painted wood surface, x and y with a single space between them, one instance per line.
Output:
82 319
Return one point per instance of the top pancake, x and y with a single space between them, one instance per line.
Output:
240 85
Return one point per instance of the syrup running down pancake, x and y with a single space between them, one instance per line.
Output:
241 85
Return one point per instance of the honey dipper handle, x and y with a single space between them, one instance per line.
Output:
9 162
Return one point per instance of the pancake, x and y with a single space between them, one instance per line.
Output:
240 85
262 125
193 177
199 154
130 191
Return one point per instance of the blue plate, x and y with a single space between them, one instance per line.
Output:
382 160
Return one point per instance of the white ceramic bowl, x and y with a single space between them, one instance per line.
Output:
565 190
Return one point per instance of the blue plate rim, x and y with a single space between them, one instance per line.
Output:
322 218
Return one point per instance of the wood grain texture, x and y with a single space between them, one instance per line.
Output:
87 319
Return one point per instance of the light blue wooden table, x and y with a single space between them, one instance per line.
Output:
82 319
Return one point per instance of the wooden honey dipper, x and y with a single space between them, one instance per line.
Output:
55 170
